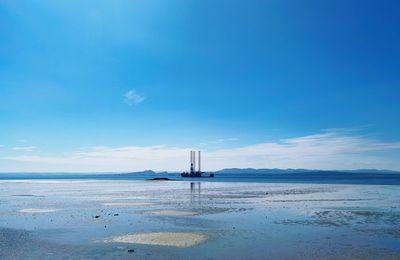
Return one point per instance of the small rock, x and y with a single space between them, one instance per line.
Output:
97 216
131 250
116 215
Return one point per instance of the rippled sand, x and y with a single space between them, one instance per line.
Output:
176 239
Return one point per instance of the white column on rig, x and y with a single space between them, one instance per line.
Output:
194 161
191 161
199 161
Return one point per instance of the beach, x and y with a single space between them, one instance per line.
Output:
108 219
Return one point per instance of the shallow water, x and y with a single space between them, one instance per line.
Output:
241 220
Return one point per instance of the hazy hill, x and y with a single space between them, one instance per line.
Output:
251 171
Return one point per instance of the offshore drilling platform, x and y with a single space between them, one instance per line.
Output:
193 173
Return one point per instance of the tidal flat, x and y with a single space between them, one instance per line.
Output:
123 219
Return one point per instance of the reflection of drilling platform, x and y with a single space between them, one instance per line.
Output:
193 173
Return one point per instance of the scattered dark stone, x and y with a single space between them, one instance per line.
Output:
97 216
131 250
116 215
266 193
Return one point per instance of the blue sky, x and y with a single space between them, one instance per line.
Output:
133 85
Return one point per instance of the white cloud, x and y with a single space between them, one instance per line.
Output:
133 98
25 148
332 149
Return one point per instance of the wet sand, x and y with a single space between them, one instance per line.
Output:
182 220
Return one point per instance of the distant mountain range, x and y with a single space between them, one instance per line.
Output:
252 171
291 171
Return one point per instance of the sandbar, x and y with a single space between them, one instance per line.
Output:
128 204
173 213
37 210
176 239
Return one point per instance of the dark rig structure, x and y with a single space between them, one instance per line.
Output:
193 173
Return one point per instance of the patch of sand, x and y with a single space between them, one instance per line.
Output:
177 239
128 204
173 212
36 210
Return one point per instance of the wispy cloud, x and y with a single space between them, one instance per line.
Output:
219 141
113 159
331 149
24 148
223 140
133 98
